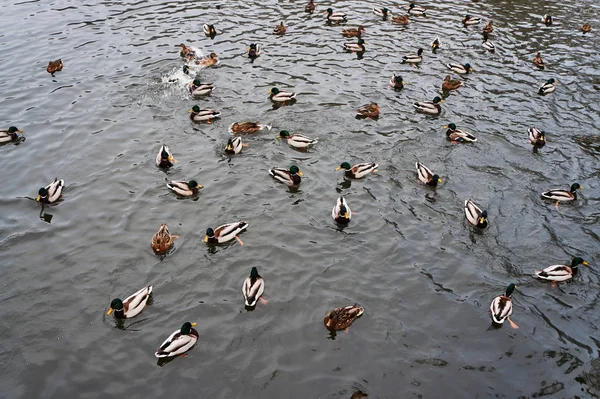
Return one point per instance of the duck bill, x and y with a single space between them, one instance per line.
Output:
300 173
194 324
481 220
110 310
338 168
39 197
446 127
229 148
205 238
585 263
278 136
191 110
345 215
19 130
440 180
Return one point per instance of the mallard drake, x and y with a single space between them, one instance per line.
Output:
253 288
335 17
558 273
413 58
164 158
280 96
487 44
6 136
162 240
341 212
451 84
132 306
183 188
501 307
475 216
196 88
247 127
212 59
368 111
186 51
209 30
563 195
460 69
203 115
429 107
186 69
436 44
352 32
358 171
297 140
358 47
547 20
426 176
54 66
179 342
292 176
253 51
469 20
226 232
400 19
537 138
381 12
538 61
585 28
460 136
51 193
489 28
342 318
279 29
548 87
310 7
234 145
417 11
397 82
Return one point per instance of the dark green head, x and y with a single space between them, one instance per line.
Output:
192 184
254 273
164 154
468 16
436 178
550 81
398 79
212 29
360 42
345 165
578 261
196 82
253 46
510 289
13 129
294 169
116 304
196 108
451 126
186 328
420 51
385 11
186 69
329 11
575 187
284 133
210 232
468 67
437 99
344 211
411 5
274 90
43 192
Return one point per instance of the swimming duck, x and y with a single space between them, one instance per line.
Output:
381 12
451 84
342 318
247 127
203 115
341 212
310 7
400 19
196 88
292 176
563 195
475 216
234 145
335 17
186 51
280 96
164 158
253 51
436 44
297 140
186 69
132 305
469 20
460 136
226 232
209 30
413 58
558 273
488 45
212 59
358 47
279 29
536 137
183 188
357 171
253 288
501 307
585 28
352 32
547 20
51 193
179 342
54 66
460 69
417 11
548 87
489 28
368 111
397 82
538 61
429 107
6 136
426 176
162 240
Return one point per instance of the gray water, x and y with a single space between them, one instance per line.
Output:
424 277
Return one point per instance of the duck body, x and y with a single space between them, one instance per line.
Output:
397 82
335 17
183 188
186 51
585 28
426 176
280 29
341 318
162 240
247 127
310 7
54 66
451 84
341 212
547 87
164 158
460 136
538 61
413 58
489 28
358 47
429 107
460 69
563 195
296 140
179 342
487 44
234 145
381 12
537 138
132 305
203 115
436 44
368 111
401 19
253 51
212 59
352 32
209 30
416 11
358 171
281 96
501 306
560 273
10 135
291 177
51 193
475 216
253 288
547 20
469 20
225 233
198 89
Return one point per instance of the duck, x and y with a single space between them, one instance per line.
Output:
460 69
538 61
381 12
436 44
426 176
341 212
487 44
548 87
341 318
310 7
469 20
429 107
10 135
186 69
537 138
558 273
164 158
358 47
209 30
397 82
501 307
400 19
359 395
489 28
253 288
179 342
475 216
225 233
358 171
460 136
335 17
585 28
413 58
203 115
559 195
54 66
547 20
196 88
253 51
132 305
212 59
51 193
292 176
353 32
451 84
186 51
281 96
417 11
247 127
368 111
234 145
162 240
279 29
183 188
297 140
